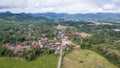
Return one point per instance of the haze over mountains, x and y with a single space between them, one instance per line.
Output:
53 15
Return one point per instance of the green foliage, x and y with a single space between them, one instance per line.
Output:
16 28
30 54
86 45
101 42
112 57
5 52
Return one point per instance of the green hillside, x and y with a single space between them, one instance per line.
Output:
85 59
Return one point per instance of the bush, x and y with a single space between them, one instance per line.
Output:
5 52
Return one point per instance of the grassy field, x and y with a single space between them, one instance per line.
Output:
47 61
84 35
85 59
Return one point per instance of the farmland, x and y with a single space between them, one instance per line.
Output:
46 61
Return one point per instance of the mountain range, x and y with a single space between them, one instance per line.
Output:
53 15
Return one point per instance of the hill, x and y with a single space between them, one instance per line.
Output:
85 59
19 16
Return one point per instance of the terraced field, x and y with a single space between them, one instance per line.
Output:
86 59
47 61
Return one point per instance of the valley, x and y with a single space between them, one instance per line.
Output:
30 42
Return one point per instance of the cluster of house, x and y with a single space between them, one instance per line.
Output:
38 43
56 46
60 34
28 44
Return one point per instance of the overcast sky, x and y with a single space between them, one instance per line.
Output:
60 6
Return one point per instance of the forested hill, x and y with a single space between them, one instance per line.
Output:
19 16
9 15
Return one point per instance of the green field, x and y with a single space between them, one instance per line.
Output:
86 59
46 61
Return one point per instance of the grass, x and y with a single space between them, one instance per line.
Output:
46 61
84 35
86 59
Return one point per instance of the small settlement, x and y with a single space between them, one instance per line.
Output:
42 43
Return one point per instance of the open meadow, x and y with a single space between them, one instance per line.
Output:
86 59
46 61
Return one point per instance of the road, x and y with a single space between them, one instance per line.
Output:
60 58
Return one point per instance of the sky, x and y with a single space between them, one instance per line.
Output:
60 6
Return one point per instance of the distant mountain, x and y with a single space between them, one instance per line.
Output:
52 15
78 16
18 16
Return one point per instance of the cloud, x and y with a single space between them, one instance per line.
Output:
109 6
4 7
60 6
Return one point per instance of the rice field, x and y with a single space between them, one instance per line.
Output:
46 61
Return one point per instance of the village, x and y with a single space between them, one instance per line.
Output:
44 42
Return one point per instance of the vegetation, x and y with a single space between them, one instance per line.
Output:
104 42
85 59
15 29
46 61
5 52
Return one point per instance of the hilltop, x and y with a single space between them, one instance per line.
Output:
85 59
